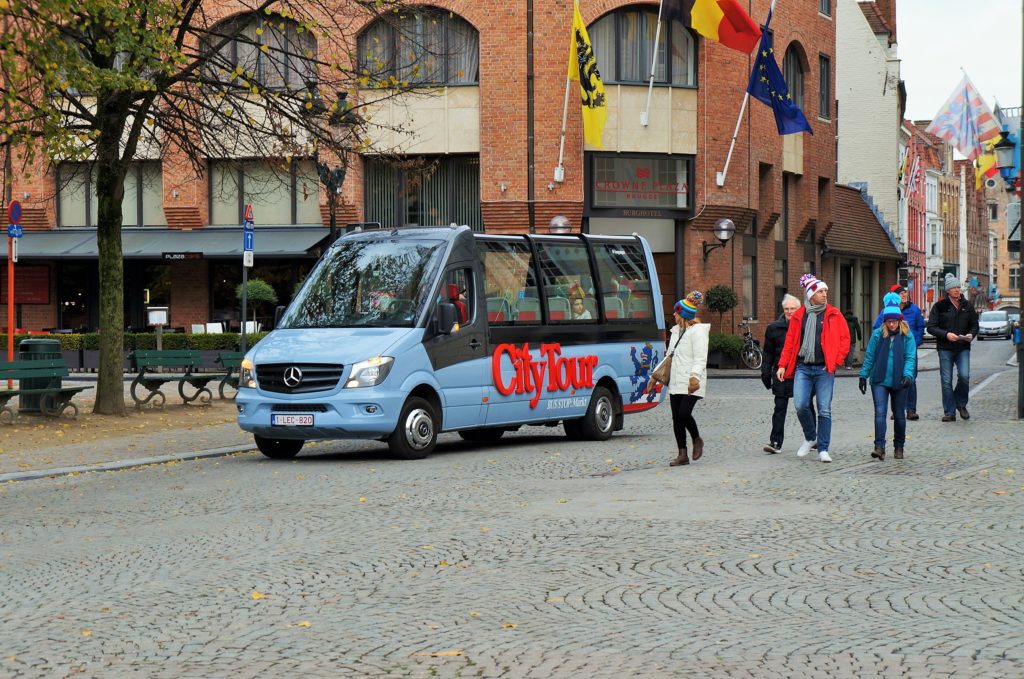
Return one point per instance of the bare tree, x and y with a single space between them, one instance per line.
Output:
108 83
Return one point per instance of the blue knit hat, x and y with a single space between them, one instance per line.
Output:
892 311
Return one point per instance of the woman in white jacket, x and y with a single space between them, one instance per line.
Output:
688 344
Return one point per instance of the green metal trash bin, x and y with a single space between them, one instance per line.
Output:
37 350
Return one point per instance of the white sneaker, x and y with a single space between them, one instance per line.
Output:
805 448
823 456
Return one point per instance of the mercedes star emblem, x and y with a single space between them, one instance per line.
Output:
292 376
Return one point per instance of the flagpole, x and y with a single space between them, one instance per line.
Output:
720 176
645 114
560 169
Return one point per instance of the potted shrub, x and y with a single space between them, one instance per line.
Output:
721 298
258 292
724 350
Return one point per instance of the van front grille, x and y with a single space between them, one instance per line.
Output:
298 378
299 408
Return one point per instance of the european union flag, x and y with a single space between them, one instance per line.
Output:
767 85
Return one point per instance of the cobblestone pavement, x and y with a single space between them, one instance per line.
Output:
540 557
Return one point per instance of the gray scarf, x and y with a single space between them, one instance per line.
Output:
809 345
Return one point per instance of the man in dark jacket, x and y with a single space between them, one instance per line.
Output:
954 324
915 319
855 334
774 340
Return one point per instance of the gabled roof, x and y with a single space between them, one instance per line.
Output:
856 232
876 20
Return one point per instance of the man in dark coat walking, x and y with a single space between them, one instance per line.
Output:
954 324
774 339
855 334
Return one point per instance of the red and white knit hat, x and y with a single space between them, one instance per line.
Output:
810 283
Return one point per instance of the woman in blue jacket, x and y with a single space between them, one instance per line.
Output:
889 365
913 317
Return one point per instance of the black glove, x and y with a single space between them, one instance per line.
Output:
766 380
905 383
862 384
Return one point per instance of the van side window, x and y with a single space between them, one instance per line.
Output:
622 279
509 283
566 281
458 290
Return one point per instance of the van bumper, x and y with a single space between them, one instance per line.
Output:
348 414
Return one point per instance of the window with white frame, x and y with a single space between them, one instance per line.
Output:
271 50
623 41
423 45
993 212
825 7
1015 278
280 193
142 205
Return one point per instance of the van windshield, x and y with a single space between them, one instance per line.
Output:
367 283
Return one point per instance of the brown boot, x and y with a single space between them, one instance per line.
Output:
878 453
680 460
698 448
897 453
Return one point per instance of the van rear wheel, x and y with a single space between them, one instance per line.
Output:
599 422
416 434
279 449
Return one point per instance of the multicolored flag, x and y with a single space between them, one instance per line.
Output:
914 176
723 21
986 164
965 120
583 68
767 85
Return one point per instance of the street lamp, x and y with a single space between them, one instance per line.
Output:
1005 150
724 230
341 121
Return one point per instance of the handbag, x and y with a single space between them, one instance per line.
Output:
662 372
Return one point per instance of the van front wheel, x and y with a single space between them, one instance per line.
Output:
279 449
416 434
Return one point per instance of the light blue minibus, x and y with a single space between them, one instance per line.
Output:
398 335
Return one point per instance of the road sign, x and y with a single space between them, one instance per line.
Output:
14 231
248 240
14 212
247 259
248 213
248 226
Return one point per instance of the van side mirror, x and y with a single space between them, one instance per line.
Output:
278 313
444 319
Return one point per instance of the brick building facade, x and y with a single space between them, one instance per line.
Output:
495 137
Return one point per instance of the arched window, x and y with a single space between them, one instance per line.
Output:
276 51
623 41
424 46
793 72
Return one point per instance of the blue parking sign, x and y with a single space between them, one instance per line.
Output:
14 231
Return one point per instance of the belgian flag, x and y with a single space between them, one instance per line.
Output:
723 21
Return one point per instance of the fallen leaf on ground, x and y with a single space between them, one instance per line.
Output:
258 595
439 654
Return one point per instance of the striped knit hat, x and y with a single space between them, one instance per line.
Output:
810 283
687 307
891 310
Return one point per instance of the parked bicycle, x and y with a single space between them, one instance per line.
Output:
751 354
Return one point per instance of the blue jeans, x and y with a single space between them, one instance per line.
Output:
954 397
912 389
817 382
881 395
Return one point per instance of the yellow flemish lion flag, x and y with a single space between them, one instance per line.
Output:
583 68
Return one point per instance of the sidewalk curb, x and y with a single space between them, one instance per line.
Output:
123 464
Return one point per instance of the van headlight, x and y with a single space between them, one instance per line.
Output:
369 373
247 374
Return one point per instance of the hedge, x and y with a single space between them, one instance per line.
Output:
729 345
228 341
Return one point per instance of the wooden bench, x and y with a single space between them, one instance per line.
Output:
181 360
53 399
231 361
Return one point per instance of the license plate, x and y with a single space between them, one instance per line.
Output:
291 420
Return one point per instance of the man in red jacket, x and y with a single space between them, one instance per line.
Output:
817 343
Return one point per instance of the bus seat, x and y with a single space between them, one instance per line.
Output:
559 306
460 306
496 316
640 307
590 304
498 305
613 307
528 309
